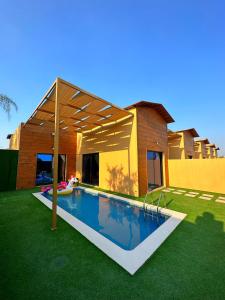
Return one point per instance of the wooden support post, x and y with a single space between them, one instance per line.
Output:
55 159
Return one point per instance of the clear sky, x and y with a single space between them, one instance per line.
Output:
172 52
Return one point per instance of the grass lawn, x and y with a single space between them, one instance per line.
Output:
36 263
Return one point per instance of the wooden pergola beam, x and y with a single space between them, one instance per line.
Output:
55 158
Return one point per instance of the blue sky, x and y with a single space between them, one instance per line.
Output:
172 52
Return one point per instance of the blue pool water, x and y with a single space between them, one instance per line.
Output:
125 225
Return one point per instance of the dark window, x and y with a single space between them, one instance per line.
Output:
90 169
190 156
44 170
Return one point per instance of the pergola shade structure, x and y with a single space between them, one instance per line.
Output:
68 107
79 110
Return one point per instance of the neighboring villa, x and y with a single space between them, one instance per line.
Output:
181 143
215 152
211 151
200 148
123 150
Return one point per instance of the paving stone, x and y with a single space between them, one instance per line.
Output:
167 191
171 189
205 198
181 191
220 201
177 192
207 195
193 193
221 198
190 195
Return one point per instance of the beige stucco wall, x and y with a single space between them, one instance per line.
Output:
198 174
117 148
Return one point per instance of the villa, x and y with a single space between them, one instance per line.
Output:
200 148
118 149
181 144
211 151
215 151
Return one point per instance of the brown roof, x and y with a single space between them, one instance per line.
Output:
206 141
156 106
191 130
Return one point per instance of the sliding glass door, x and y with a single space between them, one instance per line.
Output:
90 169
154 169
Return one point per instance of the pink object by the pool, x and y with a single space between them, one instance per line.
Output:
62 185
45 188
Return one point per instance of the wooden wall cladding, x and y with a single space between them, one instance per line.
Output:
152 135
33 140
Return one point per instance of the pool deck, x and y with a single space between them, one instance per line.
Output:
130 260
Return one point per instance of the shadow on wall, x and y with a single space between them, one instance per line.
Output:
119 182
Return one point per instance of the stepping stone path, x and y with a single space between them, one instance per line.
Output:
205 198
193 193
221 199
190 195
208 195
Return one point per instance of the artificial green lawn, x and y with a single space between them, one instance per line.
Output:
36 263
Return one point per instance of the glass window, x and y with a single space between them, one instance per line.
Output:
44 170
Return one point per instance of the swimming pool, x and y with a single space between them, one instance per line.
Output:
118 226
124 224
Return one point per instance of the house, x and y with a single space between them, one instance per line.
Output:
209 150
181 143
200 148
118 149
215 151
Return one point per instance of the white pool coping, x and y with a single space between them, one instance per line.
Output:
130 260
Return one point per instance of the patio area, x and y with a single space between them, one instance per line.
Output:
37 263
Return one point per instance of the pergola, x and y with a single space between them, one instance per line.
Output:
69 108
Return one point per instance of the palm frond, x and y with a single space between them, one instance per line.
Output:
6 103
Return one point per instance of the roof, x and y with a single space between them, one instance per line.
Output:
79 110
156 106
205 140
191 130
211 145
173 135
